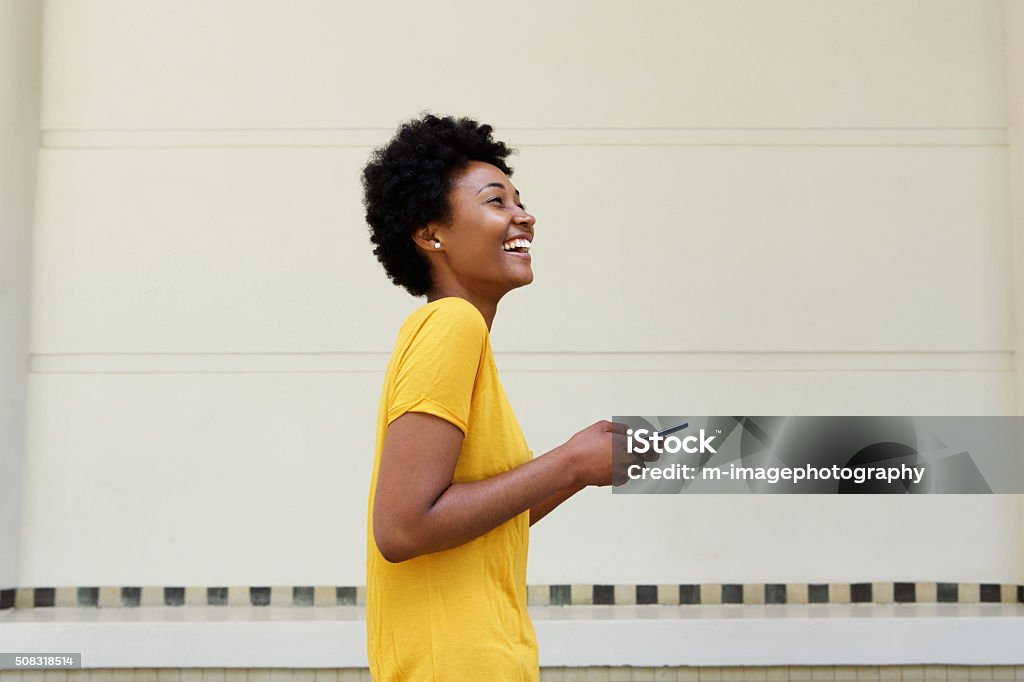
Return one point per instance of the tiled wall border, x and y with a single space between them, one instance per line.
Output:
540 595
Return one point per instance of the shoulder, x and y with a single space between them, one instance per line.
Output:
450 314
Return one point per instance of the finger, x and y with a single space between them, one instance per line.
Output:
619 450
651 456
621 473
617 427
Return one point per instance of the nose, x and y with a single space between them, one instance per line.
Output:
525 218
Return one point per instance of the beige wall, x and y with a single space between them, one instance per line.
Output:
1014 23
781 207
19 132
1014 10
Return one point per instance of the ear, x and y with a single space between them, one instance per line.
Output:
424 238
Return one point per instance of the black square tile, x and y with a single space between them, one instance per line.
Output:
259 596
689 594
131 596
991 593
559 595
904 592
346 596
817 593
88 596
947 592
217 596
732 593
775 593
604 594
174 596
860 592
302 596
7 598
43 596
646 594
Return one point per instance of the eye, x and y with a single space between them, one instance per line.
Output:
498 199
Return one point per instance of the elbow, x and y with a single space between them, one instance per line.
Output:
393 545
393 554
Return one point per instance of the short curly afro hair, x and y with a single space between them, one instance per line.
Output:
406 185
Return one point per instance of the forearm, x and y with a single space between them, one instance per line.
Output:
465 511
540 510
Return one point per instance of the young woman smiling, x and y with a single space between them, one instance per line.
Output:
454 487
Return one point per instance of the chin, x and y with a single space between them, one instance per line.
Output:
525 281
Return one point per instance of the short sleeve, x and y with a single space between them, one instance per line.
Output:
438 369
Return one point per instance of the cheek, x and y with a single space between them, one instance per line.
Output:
486 246
478 257
479 249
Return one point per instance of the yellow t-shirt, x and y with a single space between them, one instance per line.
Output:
460 614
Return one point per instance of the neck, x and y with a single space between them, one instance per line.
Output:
486 306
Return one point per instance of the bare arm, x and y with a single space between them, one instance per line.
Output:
539 511
417 509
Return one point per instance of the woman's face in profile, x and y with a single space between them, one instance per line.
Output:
487 217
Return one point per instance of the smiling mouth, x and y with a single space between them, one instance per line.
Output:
518 246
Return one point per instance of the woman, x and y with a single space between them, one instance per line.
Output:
454 487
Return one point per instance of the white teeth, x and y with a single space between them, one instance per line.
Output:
516 244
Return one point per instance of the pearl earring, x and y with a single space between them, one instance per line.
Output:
437 245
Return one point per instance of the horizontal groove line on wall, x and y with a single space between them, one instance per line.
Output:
696 361
536 137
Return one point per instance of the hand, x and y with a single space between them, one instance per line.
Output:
599 454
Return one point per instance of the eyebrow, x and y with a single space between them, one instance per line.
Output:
493 184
